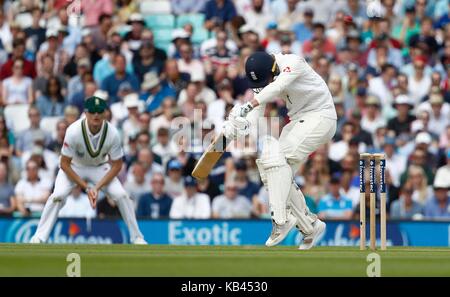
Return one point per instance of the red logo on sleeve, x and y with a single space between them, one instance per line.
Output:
287 69
65 144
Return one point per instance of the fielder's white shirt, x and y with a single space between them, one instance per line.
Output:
300 86
87 149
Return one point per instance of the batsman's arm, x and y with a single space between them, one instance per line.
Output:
273 90
116 166
73 176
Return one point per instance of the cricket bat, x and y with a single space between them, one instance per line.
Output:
210 157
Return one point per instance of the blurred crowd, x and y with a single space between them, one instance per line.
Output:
387 65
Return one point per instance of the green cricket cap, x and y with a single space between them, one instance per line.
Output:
95 104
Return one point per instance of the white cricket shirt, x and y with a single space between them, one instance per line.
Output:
91 150
300 86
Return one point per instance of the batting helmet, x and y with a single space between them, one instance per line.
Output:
260 68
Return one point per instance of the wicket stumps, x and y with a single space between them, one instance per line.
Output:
372 159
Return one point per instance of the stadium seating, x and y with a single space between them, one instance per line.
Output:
48 124
197 20
162 35
155 7
160 21
16 116
200 35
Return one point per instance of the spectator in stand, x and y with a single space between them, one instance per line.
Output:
53 46
35 33
7 201
77 206
127 111
138 185
31 193
409 27
175 79
187 6
93 9
290 15
48 70
156 204
405 208
145 61
153 92
174 184
25 139
81 52
114 81
52 102
425 37
219 12
244 186
372 119
188 63
191 204
219 51
6 37
17 89
231 205
438 204
75 84
439 112
258 18
419 84
381 86
165 117
418 179
303 30
402 122
56 144
320 42
334 205
134 36
100 32
443 172
18 52
145 158
164 147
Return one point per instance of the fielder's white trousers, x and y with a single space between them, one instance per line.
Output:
64 186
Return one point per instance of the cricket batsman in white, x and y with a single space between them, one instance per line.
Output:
312 123
91 157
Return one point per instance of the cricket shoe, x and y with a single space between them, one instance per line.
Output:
140 240
35 240
310 240
279 232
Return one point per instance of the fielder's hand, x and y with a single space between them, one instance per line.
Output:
92 195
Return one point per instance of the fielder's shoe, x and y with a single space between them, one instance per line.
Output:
34 239
310 240
140 240
279 232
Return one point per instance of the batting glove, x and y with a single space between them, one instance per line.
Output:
241 110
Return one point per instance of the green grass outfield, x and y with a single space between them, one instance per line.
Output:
164 260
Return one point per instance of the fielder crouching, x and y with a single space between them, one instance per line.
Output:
91 152
313 123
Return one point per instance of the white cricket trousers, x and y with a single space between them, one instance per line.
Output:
92 174
302 136
298 139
